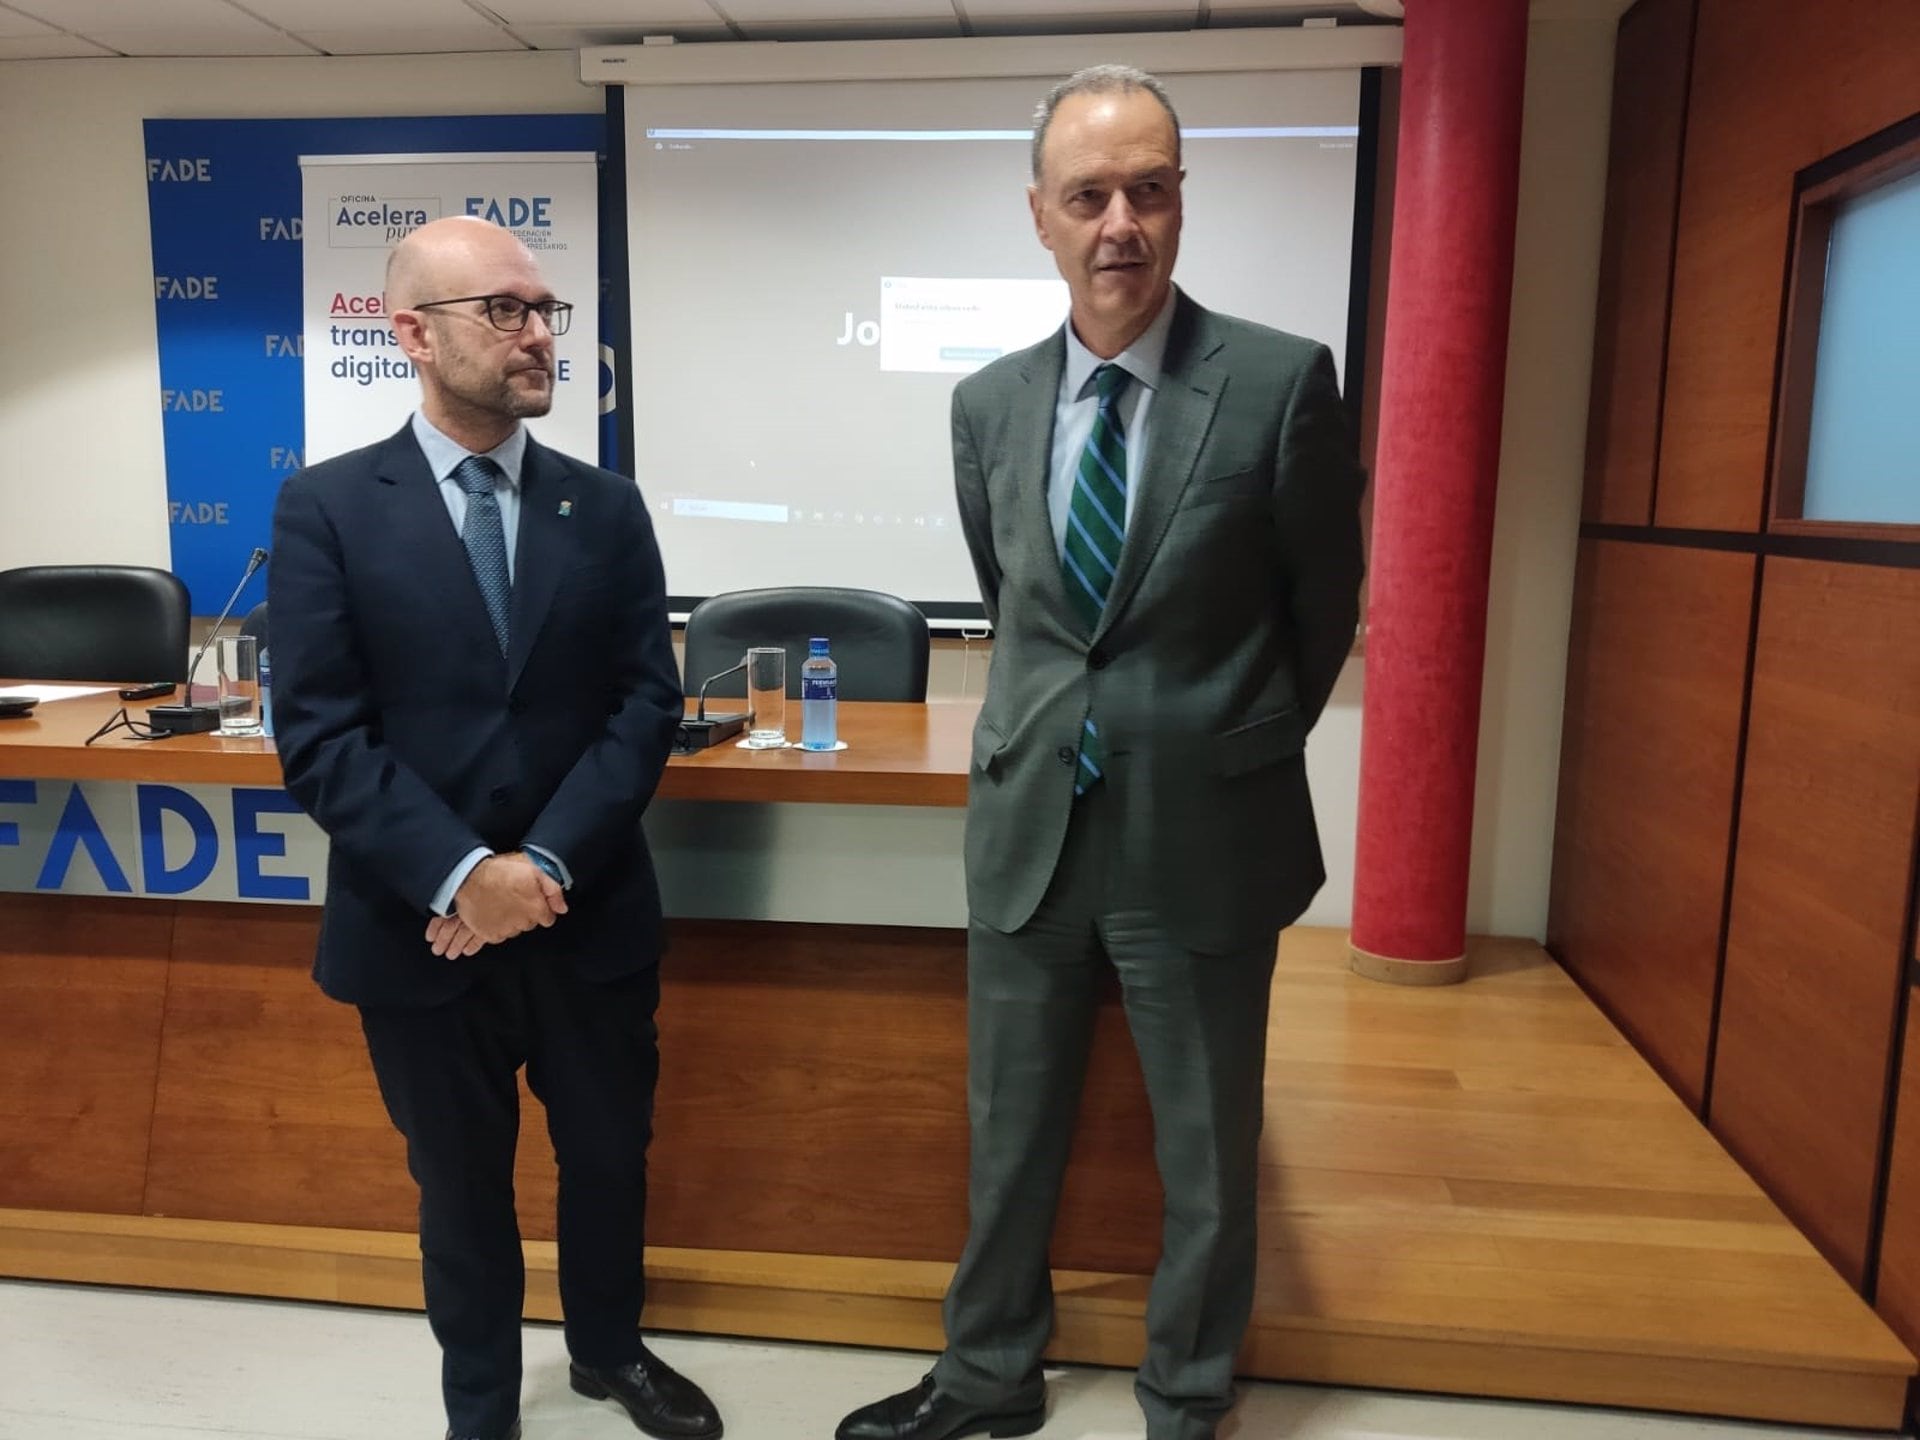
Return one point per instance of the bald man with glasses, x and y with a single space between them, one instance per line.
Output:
475 694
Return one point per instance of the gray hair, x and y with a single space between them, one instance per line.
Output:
1100 80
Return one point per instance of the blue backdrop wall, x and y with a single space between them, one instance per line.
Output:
223 200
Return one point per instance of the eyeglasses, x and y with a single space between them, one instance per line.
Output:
509 312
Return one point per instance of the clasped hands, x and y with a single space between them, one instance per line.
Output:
503 896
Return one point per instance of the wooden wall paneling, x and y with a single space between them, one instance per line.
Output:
1816 939
1636 260
82 981
1777 85
267 1108
798 1059
1898 1295
795 1060
1649 746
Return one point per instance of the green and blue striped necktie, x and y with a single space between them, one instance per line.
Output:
1096 528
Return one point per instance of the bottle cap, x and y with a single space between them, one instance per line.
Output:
817 645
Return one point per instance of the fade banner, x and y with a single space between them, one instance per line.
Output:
355 208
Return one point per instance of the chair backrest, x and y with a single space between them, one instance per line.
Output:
879 641
93 622
256 625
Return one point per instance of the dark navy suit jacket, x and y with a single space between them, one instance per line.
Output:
410 740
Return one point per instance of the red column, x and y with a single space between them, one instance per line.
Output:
1442 382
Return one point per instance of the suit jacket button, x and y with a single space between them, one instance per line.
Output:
500 794
1066 755
1097 658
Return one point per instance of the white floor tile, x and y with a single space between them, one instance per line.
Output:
88 1363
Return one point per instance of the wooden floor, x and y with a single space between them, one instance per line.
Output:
1476 1190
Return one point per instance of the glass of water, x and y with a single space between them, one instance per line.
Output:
239 678
766 697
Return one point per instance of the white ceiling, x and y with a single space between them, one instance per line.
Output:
40 29
48 29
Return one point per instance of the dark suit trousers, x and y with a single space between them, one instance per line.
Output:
1199 1023
447 1075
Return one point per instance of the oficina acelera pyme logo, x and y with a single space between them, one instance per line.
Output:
377 222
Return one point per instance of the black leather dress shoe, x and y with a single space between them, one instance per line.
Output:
662 1401
923 1413
513 1434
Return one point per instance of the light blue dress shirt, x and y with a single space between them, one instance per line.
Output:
1077 404
443 458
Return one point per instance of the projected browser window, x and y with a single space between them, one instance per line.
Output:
813 267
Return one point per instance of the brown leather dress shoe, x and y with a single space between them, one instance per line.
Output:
923 1413
662 1401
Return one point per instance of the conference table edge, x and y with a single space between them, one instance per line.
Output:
900 754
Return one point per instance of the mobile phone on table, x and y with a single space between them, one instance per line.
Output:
148 692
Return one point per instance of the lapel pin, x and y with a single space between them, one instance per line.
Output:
566 507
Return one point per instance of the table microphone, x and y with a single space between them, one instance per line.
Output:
706 730
191 719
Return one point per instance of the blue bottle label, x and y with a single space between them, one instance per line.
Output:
818 687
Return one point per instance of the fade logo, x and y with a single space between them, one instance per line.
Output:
377 222
186 287
193 402
191 169
286 347
515 212
197 512
279 227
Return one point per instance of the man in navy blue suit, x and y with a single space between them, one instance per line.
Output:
474 697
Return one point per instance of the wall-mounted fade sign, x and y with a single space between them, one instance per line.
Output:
147 840
184 842
359 384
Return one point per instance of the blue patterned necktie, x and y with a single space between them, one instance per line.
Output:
1096 527
486 539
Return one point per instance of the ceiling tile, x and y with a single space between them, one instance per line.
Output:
200 40
601 14
789 12
576 37
50 46
299 15
15 26
410 39
85 16
165 27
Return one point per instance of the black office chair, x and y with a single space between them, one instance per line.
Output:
93 622
879 641
256 625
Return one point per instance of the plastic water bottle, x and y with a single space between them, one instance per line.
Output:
266 692
819 697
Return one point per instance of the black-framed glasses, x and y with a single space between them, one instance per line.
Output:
509 312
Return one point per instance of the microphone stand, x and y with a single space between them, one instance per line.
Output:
704 730
189 718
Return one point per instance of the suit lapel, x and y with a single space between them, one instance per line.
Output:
1183 409
1030 451
541 551
439 558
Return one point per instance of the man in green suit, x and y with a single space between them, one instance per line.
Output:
1162 506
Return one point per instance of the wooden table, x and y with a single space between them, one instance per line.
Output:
173 1080
895 755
